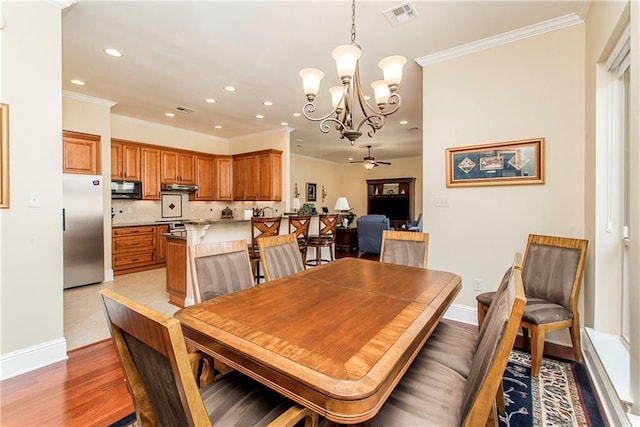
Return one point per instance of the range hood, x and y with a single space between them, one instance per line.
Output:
179 187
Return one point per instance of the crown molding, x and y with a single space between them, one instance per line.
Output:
61 4
262 133
501 39
87 98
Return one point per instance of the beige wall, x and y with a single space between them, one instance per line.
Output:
31 238
349 180
525 89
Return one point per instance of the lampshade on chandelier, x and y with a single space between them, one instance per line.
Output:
346 98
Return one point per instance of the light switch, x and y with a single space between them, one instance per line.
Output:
441 202
34 200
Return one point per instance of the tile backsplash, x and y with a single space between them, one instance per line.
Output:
136 211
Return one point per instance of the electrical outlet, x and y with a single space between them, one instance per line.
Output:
478 284
441 202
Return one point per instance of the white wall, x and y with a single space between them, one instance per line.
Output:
31 325
525 89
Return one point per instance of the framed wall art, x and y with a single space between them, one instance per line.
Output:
502 163
311 192
4 156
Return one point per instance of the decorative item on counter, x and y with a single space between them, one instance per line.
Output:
307 209
248 213
227 213
295 204
257 212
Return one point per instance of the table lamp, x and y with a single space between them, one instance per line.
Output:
295 204
342 206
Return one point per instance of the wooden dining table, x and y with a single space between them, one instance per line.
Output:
336 338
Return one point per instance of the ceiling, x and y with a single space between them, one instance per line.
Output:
177 54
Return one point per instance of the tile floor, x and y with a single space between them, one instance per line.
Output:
84 321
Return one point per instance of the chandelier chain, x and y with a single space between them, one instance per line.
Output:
353 22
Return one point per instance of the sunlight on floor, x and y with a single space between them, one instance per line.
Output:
84 321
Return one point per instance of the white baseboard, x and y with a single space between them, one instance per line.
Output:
27 359
462 313
108 275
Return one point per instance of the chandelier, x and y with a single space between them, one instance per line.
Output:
348 97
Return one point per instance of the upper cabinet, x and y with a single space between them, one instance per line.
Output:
223 178
204 178
125 161
177 167
150 173
81 153
258 175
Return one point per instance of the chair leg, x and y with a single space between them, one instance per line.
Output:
537 349
575 341
500 399
331 251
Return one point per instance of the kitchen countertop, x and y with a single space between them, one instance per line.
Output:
143 223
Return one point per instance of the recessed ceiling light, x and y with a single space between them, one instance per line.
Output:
77 82
299 139
218 127
210 100
367 97
169 114
230 88
267 103
350 158
284 123
259 116
113 52
404 122
299 145
296 114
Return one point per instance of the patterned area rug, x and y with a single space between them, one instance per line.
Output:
560 396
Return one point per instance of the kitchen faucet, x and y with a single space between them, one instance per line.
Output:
265 208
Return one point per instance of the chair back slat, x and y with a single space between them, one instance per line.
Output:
153 354
492 353
299 226
328 225
219 268
280 256
405 248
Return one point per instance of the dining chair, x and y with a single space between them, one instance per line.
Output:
261 227
299 225
219 268
326 238
405 248
431 393
552 274
280 256
153 355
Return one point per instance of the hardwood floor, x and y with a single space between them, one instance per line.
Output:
89 389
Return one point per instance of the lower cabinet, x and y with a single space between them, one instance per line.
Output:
177 271
137 248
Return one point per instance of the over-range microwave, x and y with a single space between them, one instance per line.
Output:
126 190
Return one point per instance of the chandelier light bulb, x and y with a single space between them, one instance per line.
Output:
337 98
311 82
381 92
391 67
369 165
346 57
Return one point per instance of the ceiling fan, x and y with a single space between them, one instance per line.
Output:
370 162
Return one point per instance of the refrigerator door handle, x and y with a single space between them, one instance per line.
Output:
64 221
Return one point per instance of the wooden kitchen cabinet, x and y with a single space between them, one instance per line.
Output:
177 271
125 161
136 248
204 178
161 248
81 153
150 171
258 175
223 178
177 167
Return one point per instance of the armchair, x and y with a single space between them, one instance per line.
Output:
370 228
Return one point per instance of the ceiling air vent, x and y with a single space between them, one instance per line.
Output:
185 110
400 14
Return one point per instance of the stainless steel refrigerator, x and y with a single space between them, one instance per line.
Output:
82 221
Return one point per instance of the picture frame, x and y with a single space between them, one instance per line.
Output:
171 205
502 163
311 192
4 156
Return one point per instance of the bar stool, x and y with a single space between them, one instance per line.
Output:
261 227
326 238
299 225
